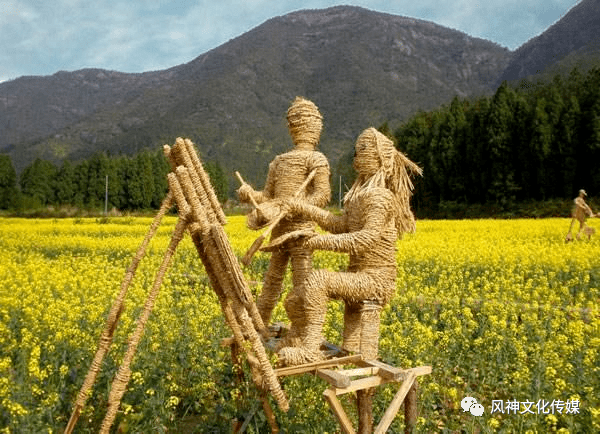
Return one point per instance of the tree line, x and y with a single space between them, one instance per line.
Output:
529 142
532 142
126 183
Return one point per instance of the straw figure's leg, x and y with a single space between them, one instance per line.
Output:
319 287
569 236
581 228
301 259
273 285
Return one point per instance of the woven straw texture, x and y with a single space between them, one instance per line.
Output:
376 213
287 172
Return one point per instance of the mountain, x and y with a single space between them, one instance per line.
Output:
574 40
361 68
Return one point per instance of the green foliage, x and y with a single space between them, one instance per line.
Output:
37 181
218 179
537 142
8 183
127 183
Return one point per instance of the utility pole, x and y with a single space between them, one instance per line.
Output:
340 194
106 197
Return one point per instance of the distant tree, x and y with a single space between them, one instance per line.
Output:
567 139
64 184
139 182
37 182
99 168
160 169
8 183
80 181
218 179
499 141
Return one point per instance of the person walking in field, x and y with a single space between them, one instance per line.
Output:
580 213
287 174
376 213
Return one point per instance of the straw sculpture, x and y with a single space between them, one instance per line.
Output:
114 315
201 215
581 211
376 213
287 172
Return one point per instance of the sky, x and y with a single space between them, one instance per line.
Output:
43 37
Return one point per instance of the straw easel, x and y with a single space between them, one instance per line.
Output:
201 215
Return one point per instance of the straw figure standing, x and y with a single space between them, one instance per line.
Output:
376 214
581 211
287 173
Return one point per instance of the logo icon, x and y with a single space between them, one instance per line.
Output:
470 404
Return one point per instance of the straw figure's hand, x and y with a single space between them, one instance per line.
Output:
296 207
245 193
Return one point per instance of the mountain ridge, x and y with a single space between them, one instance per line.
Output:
360 67
577 31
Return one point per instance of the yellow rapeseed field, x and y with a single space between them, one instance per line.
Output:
503 310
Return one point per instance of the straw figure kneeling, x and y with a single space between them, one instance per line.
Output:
286 178
376 213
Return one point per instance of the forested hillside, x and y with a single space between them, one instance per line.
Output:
532 143
125 183
484 156
359 66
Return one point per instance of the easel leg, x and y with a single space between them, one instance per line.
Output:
410 408
269 413
239 371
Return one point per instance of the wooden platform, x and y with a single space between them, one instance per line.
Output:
350 373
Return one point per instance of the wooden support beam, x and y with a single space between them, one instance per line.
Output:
309 367
410 409
335 378
339 412
394 406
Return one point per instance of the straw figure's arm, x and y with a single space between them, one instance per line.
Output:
326 220
247 194
318 192
582 209
365 235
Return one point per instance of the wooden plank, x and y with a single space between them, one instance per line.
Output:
363 383
387 371
339 412
370 371
394 406
396 374
335 378
323 364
